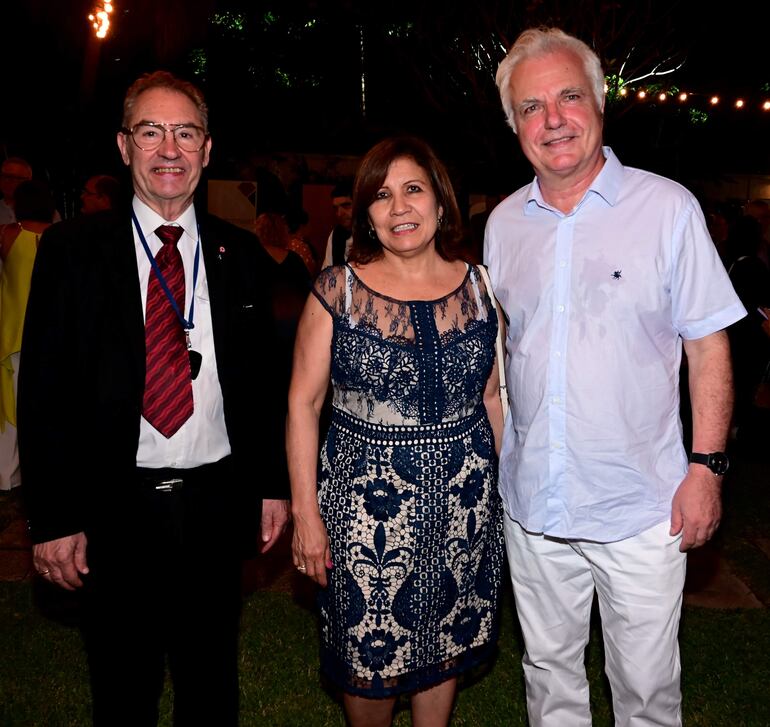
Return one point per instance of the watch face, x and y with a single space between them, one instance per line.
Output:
718 463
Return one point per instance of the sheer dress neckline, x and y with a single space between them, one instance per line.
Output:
440 299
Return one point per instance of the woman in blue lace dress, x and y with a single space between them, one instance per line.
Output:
399 519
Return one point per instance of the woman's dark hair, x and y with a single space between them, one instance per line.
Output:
371 174
33 202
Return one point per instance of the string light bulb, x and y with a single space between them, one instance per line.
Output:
683 97
766 106
662 96
642 94
739 104
714 100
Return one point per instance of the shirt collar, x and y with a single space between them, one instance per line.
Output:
149 220
608 180
606 185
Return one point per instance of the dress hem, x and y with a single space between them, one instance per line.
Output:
418 680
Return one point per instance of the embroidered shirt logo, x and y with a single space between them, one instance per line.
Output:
617 274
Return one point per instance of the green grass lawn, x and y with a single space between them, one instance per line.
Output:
43 677
725 654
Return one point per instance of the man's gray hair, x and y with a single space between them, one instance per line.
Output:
536 42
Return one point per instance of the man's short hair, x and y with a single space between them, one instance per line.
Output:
164 79
536 42
343 188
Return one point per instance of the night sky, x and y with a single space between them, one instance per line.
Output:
63 117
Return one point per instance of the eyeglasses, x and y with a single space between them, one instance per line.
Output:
148 136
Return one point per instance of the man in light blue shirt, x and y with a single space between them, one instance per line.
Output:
603 272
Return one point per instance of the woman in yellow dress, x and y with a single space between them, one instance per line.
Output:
18 247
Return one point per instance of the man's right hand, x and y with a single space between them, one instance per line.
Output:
62 561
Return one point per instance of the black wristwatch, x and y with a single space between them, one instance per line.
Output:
717 462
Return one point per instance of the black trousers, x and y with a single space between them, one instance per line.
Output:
164 590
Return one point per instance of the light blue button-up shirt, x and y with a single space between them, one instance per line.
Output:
599 301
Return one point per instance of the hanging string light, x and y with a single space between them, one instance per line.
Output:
99 18
618 91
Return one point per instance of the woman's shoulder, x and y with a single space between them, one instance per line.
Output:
329 287
331 276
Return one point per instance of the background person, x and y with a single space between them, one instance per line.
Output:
34 206
13 172
750 337
100 192
340 238
273 232
401 522
602 270
150 495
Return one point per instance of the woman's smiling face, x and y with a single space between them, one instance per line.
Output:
405 212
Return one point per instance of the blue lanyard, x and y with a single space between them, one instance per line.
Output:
188 324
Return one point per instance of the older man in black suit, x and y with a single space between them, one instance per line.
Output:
149 425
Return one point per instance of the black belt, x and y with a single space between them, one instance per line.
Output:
172 479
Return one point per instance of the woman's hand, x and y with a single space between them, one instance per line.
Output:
310 546
309 382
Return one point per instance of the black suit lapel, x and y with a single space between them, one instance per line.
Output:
217 262
120 265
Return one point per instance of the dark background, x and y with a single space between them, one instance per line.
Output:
286 77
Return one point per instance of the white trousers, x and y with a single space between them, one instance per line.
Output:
10 476
639 584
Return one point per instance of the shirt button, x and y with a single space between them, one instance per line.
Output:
557 445
557 354
562 263
556 400
560 309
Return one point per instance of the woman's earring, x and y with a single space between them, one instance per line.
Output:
440 220
372 233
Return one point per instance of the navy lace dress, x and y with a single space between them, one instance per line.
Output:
408 487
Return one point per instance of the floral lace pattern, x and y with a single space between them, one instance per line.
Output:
408 487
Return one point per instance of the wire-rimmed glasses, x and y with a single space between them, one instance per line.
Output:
148 135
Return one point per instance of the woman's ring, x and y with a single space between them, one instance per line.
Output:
303 568
44 572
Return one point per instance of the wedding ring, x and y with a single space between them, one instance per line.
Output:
303 568
44 572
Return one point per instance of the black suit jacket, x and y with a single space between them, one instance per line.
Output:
81 377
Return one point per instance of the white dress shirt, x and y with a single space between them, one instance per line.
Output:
202 439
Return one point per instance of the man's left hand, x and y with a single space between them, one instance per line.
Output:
275 518
697 507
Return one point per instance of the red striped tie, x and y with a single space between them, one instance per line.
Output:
168 398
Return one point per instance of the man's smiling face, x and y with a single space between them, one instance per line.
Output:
164 178
558 122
